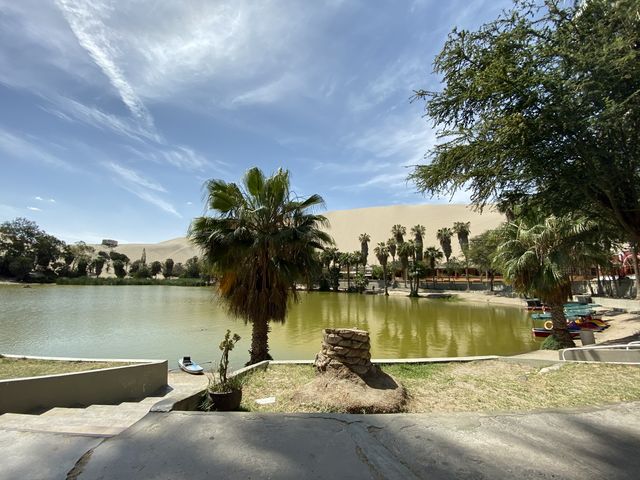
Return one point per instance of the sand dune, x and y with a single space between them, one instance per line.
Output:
347 225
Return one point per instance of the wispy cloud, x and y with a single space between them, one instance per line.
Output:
144 188
72 110
29 148
85 21
40 199
34 209
134 178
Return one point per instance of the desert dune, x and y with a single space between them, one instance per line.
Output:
347 225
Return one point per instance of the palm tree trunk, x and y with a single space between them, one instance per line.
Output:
560 330
259 342
348 278
599 282
634 260
384 279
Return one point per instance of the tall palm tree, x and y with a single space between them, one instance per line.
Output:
418 236
462 230
433 255
382 254
259 241
536 258
364 247
405 250
398 232
346 259
393 246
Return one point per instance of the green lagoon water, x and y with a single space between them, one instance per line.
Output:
168 322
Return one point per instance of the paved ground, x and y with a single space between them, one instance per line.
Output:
595 444
47 446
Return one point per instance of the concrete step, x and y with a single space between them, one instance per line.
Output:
102 420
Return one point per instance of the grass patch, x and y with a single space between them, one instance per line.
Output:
24 367
485 386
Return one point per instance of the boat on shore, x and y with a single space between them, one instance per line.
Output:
189 366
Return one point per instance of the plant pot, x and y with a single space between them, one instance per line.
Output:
225 401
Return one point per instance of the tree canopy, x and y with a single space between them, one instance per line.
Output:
542 105
260 240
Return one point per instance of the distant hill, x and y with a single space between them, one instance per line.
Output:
347 225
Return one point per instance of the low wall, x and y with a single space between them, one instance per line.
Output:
106 386
614 355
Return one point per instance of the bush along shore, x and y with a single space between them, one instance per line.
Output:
173 282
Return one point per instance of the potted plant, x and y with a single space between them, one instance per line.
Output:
224 393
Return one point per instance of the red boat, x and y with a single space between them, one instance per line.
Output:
544 333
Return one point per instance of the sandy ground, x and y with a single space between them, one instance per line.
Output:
347 225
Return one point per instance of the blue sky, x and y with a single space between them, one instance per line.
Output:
114 113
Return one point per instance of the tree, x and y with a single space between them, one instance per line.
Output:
23 245
47 249
156 268
542 104
119 269
392 245
257 242
417 271
364 239
444 237
398 232
405 250
97 264
346 259
482 251
433 255
381 252
536 258
418 232
462 230
143 258
167 272
192 268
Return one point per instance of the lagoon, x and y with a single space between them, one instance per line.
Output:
168 322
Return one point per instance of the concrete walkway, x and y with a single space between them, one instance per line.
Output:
47 446
593 444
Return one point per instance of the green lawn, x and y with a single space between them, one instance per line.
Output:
22 367
486 386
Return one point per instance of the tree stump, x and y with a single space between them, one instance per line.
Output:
346 379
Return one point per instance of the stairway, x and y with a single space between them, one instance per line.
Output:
99 420
95 420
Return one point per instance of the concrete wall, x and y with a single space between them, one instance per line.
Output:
603 355
104 386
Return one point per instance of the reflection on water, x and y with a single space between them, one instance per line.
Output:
168 322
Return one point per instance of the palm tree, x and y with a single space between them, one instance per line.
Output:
259 241
364 247
418 234
433 254
444 237
392 245
405 250
356 259
462 230
382 254
346 259
536 258
398 232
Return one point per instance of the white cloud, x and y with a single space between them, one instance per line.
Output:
27 148
144 188
85 21
40 199
189 203
134 178
34 209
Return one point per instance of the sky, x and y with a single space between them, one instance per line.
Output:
113 114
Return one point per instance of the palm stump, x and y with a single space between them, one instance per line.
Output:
347 381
